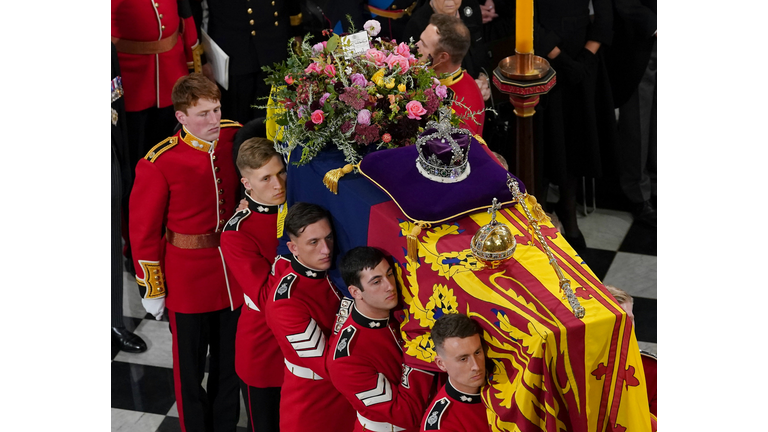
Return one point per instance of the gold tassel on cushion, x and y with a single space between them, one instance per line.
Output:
538 212
412 240
331 179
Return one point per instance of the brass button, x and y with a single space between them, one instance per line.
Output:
157 277
251 22
162 27
157 4
221 221
275 23
221 211
250 11
161 16
221 191
273 3
394 6
221 201
154 271
218 180
214 157
275 13
216 169
253 32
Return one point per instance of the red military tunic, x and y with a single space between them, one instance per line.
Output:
465 89
366 366
149 78
301 312
455 411
186 185
249 243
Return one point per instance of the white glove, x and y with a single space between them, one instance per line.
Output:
154 306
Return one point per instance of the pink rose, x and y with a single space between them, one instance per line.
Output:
403 50
288 79
330 70
414 109
412 60
376 56
318 47
314 67
318 116
394 60
441 91
435 82
386 138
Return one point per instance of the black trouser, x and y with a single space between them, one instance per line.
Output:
116 246
216 408
263 407
637 138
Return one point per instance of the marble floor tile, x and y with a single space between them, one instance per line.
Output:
605 229
598 260
158 338
135 421
142 388
131 300
640 239
634 273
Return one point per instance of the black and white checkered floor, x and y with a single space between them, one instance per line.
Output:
620 252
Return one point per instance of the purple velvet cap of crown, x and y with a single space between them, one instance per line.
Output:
441 148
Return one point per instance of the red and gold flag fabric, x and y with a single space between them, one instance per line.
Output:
552 371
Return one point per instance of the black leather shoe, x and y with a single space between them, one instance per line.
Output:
645 213
128 341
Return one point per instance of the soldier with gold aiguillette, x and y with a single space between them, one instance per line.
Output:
185 190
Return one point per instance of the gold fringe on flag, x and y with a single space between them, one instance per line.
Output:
331 178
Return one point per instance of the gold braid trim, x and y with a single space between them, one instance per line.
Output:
154 279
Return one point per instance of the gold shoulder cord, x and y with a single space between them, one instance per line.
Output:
565 284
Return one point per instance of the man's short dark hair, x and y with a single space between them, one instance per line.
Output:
453 325
356 260
454 36
301 215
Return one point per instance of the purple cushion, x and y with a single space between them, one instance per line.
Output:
421 199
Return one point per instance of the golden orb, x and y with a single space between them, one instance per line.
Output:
493 244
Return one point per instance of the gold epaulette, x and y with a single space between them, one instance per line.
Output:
296 19
480 139
161 148
230 123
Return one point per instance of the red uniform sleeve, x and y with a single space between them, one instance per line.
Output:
372 395
301 339
248 264
148 201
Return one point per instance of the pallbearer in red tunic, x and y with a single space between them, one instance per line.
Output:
184 188
249 244
446 41
458 405
366 359
301 311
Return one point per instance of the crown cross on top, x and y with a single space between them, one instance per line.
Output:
495 206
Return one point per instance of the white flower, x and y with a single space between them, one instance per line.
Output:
348 70
372 27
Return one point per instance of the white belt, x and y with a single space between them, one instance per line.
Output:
370 425
302 372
